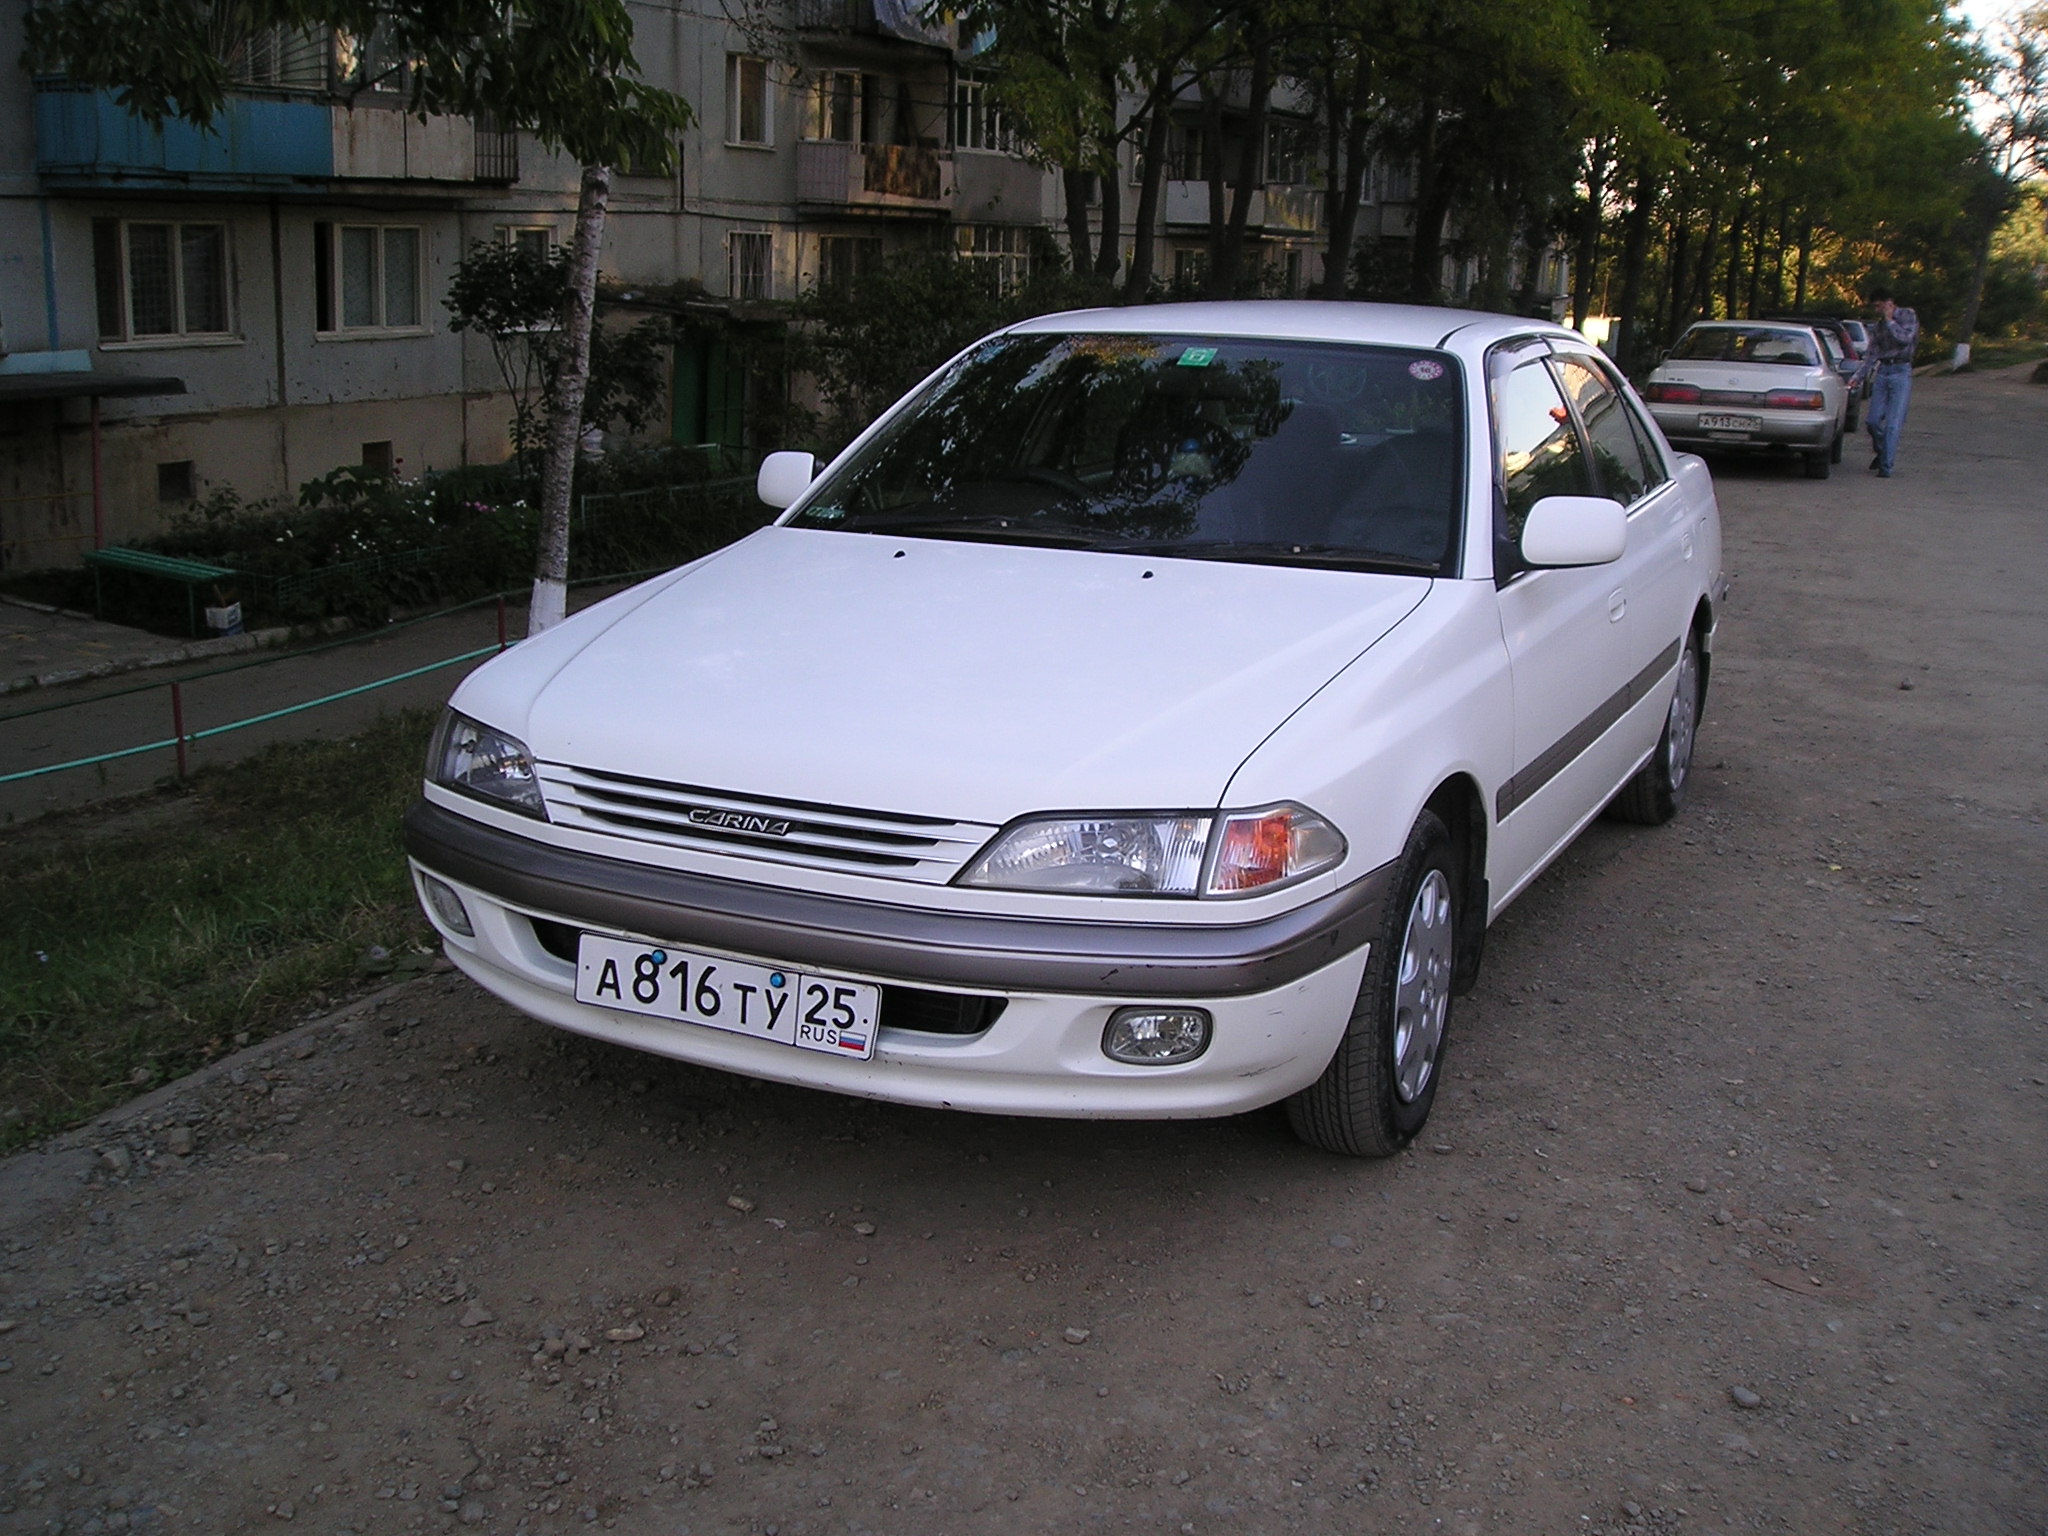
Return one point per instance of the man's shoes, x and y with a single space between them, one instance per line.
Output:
1884 474
1876 462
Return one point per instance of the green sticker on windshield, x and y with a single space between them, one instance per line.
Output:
1197 357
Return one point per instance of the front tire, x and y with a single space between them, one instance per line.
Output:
1657 791
1376 1093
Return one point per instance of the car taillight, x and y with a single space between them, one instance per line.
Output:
1674 394
1796 400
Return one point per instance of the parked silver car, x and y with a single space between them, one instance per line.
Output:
1749 385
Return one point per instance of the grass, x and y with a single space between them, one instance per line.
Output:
140 941
2004 351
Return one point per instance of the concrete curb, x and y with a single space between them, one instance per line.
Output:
196 650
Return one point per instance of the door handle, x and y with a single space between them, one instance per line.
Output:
1617 605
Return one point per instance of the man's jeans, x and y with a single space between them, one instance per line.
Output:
1891 386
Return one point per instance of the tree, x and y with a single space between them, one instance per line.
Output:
561 69
513 297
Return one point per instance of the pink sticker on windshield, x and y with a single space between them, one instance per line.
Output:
1425 368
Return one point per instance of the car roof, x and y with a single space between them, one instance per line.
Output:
1723 325
1397 325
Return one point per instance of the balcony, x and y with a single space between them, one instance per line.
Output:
1275 210
874 18
261 142
899 178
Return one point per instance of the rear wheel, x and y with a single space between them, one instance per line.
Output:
1654 795
1818 462
1835 448
1376 1093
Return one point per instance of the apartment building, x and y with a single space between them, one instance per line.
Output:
256 305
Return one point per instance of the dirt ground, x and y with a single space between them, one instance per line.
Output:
1731 1216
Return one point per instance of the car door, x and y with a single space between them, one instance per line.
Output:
1657 575
1566 632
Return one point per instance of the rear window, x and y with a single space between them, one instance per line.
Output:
1746 344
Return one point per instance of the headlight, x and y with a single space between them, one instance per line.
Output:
489 764
1193 853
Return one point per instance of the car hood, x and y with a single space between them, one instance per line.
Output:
975 682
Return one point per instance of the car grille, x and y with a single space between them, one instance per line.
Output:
887 843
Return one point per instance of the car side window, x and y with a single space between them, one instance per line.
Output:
1617 456
1537 446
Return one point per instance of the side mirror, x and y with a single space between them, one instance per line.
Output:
784 477
1574 530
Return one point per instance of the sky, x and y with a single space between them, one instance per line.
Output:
1984 14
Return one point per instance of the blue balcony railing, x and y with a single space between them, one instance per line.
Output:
85 137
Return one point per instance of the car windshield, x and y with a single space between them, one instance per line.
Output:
1277 452
1745 344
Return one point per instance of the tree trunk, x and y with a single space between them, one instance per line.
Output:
1224 273
1080 248
1586 258
1805 264
1349 187
1677 250
1634 241
565 422
1152 165
1426 249
1703 283
1731 283
1967 326
1756 264
1212 170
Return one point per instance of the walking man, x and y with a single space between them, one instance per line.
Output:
1888 364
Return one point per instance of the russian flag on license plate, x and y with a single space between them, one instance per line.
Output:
852 1042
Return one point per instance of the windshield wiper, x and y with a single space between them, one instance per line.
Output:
1279 552
952 525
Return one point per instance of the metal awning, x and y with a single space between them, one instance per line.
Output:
19 388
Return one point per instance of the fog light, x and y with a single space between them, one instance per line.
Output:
1156 1037
447 906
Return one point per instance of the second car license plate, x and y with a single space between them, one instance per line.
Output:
810 1012
1710 422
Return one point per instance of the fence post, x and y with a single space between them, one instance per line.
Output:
178 724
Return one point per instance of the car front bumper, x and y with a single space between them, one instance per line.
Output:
1279 990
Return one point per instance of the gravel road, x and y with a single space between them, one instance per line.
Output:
1731 1216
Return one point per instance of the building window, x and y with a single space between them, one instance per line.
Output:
832 112
1287 154
174 481
844 259
366 277
1005 247
377 457
749 264
1190 267
1187 152
535 240
978 123
371 63
1396 180
160 281
747 118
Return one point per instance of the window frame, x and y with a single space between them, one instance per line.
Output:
1504 359
735 270
329 276
974 103
817 102
1589 445
735 113
123 275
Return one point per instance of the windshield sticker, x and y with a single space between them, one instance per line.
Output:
1425 369
1197 357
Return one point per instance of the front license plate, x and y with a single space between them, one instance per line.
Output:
1710 422
812 1013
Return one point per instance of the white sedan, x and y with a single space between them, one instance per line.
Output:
1750 386
1143 718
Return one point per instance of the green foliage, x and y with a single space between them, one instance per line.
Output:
135 947
869 341
515 298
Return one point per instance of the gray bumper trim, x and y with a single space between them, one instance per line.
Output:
999 953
